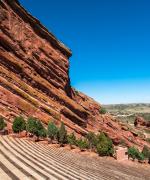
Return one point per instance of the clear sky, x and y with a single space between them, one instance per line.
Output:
110 41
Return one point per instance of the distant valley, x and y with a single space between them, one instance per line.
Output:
128 112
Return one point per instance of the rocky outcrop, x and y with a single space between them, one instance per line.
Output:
34 78
34 71
140 121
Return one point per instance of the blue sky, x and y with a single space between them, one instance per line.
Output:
110 41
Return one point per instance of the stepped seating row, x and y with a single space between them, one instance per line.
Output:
25 160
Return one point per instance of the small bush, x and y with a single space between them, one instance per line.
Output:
146 152
40 130
42 133
19 124
82 144
140 156
52 131
31 125
135 154
62 135
2 123
71 139
102 110
35 127
92 140
104 146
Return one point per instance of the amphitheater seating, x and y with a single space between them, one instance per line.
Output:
25 160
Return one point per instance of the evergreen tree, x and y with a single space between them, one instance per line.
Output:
31 125
104 145
19 124
71 139
35 127
2 123
146 152
133 152
62 134
40 130
92 140
52 131
82 144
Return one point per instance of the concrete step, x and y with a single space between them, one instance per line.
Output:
69 159
57 159
48 161
35 163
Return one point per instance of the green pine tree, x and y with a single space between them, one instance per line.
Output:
62 134
2 123
31 125
71 139
104 145
35 127
52 131
19 124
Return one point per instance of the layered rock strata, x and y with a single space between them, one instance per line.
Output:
34 78
34 69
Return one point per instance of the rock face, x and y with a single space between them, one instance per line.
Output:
34 80
34 69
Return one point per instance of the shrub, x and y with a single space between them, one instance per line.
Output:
2 123
92 139
134 153
140 156
71 139
52 131
31 125
104 146
62 134
146 152
43 133
82 144
19 124
102 110
35 127
40 130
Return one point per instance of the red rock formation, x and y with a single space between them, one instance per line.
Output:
34 78
34 70
140 121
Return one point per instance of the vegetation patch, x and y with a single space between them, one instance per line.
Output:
102 110
19 124
2 123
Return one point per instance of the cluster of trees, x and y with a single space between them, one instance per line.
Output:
99 143
134 153
33 126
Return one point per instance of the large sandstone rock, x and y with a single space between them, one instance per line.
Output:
140 121
34 78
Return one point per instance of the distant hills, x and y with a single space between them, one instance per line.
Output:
127 112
